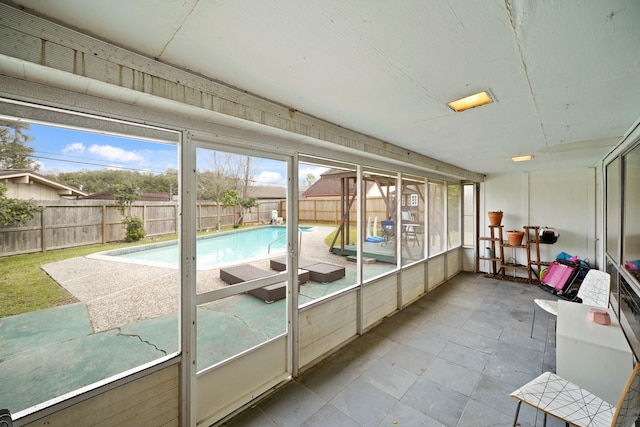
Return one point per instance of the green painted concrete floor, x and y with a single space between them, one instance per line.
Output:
49 353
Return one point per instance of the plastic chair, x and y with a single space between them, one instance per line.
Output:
594 290
566 401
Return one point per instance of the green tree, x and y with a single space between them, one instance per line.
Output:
225 173
309 180
125 195
15 153
231 197
15 211
96 181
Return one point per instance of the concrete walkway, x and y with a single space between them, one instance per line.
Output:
118 293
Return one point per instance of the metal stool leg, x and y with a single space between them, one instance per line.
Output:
515 420
533 320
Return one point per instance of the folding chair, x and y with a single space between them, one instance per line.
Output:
566 401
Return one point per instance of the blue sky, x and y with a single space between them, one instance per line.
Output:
67 150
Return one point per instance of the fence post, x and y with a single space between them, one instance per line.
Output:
104 223
175 219
43 233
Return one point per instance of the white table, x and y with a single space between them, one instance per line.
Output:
595 357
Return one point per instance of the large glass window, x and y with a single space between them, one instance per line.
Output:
453 215
469 211
436 218
631 242
613 208
615 283
381 245
80 303
412 217
241 246
630 308
328 220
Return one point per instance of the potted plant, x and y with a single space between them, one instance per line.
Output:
514 237
495 217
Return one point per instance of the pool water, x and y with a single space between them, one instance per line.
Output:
212 251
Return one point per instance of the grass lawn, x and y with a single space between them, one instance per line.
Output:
25 287
352 236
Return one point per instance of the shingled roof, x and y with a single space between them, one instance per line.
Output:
25 176
329 184
267 192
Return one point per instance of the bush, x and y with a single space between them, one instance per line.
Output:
135 230
14 211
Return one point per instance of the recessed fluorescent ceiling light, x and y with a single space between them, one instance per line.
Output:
470 101
522 158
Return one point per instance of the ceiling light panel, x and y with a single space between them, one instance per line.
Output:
471 101
522 158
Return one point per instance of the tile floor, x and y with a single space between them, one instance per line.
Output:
449 359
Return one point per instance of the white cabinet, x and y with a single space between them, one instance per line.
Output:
595 357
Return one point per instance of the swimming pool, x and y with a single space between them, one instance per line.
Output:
212 251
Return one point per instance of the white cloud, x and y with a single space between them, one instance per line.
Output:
114 153
270 178
316 171
76 147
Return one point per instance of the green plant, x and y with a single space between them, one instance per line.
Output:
126 194
135 229
232 198
15 211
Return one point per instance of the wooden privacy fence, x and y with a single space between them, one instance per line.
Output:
71 223
328 210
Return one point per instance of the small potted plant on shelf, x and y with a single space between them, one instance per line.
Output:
514 237
495 217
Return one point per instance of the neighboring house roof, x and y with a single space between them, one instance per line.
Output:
25 176
330 184
267 192
146 196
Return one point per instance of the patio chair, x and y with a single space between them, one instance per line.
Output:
388 231
594 290
553 395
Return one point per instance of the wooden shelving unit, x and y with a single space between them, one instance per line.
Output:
534 244
531 246
505 266
495 243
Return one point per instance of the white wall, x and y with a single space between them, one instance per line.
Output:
564 200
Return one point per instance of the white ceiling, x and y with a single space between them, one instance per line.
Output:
565 74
